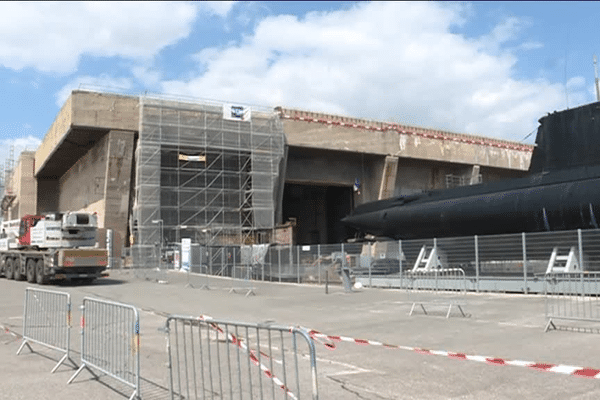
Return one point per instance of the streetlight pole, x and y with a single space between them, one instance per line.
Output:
160 224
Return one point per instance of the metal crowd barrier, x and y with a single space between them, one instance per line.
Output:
204 271
211 358
437 287
47 321
110 341
241 280
572 296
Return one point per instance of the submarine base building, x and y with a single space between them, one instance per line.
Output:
157 169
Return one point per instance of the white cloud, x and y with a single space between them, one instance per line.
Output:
102 82
25 143
147 76
53 36
530 46
577 91
503 32
576 82
219 8
382 60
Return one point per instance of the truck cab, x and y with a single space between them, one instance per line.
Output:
27 222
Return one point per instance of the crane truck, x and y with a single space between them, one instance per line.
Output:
52 247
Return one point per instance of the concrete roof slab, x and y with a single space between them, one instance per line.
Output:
83 120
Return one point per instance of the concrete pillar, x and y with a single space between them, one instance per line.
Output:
475 175
117 185
27 184
388 178
21 189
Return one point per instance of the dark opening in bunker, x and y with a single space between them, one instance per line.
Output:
318 210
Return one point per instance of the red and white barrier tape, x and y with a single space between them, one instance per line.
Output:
432 135
252 354
9 332
556 368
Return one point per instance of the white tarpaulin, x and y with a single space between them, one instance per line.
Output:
255 254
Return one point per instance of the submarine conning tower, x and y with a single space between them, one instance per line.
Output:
567 139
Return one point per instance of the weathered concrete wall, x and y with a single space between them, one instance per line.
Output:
311 166
337 168
56 133
99 182
23 185
28 187
324 131
388 179
83 184
104 110
91 110
47 197
117 185
418 175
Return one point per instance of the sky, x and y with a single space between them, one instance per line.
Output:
484 68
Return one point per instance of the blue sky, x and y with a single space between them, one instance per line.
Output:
484 68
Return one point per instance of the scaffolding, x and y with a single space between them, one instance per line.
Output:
6 188
208 172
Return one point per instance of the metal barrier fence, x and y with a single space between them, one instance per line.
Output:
211 358
507 263
47 321
445 288
204 270
110 341
572 296
241 280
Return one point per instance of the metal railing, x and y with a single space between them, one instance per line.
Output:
571 296
211 358
241 280
503 263
438 287
47 321
110 341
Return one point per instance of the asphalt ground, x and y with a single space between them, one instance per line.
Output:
505 326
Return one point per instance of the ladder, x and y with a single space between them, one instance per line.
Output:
563 263
427 262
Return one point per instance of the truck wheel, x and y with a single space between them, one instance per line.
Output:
17 270
40 278
31 270
10 269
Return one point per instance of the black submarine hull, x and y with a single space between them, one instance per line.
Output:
562 192
561 205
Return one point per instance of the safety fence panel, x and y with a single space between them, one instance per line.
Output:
241 280
572 296
445 288
500 255
459 252
325 263
279 264
211 358
590 249
47 321
110 341
539 248
502 263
